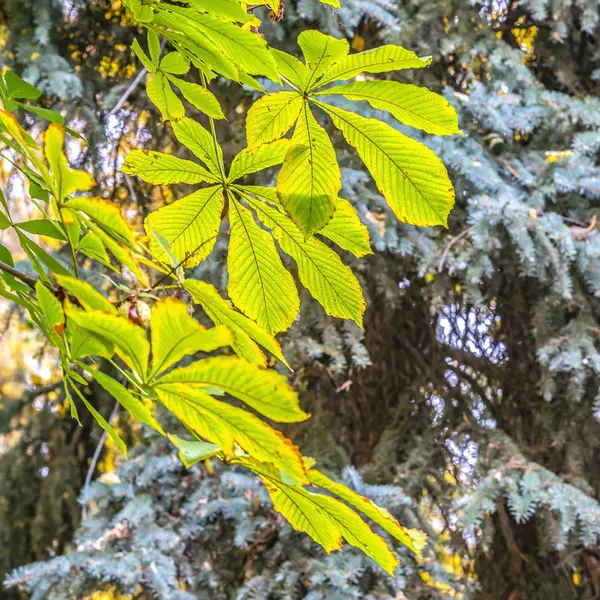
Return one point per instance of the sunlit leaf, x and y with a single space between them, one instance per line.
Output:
272 116
347 231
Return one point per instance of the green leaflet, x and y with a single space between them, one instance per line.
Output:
310 179
158 168
42 227
175 334
198 96
174 63
265 391
247 334
191 452
128 339
149 63
265 156
195 137
413 180
410 104
290 68
229 427
347 231
259 285
128 401
320 52
272 116
189 225
86 295
320 269
226 9
379 60
409 537
51 308
163 97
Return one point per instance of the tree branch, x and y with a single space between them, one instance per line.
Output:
30 281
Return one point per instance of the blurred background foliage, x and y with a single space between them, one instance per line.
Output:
469 406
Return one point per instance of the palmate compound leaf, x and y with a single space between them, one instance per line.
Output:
413 180
347 231
320 269
309 180
230 427
410 104
176 334
129 340
324 518
271 117
190 227
247 334
158 168
259 285
266 391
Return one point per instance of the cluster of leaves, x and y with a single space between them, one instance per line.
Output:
221 39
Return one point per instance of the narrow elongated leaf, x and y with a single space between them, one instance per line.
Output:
259 285
199 96
153 46
175 334
49 305
290 67
347 231
413 180
320 269
106 214
163 97
91 246
128 401
149 63
67 180
257 159
158 168
191 452
228 426
412 539
86 295
272 116
247 334
193 136
310 179
189 225
128 339
320 52
19 88
42 227
266 391
226 9
379 60
410 104
246 49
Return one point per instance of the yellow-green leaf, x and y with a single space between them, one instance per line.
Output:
320 52
195 137
229 426
225 9
198 96
143 57
136 407
413 180
379 60
49 305
320 269
272 116
410 104
175 334
175 63
85 294
259 285
192 452
129 340
189 225
290 67
105 214
163 97
347 231
266 391
310 179
158 168
247 334
66 179
259 158
411 538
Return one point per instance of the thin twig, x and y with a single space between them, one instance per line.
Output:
96 457
450 244
30 281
